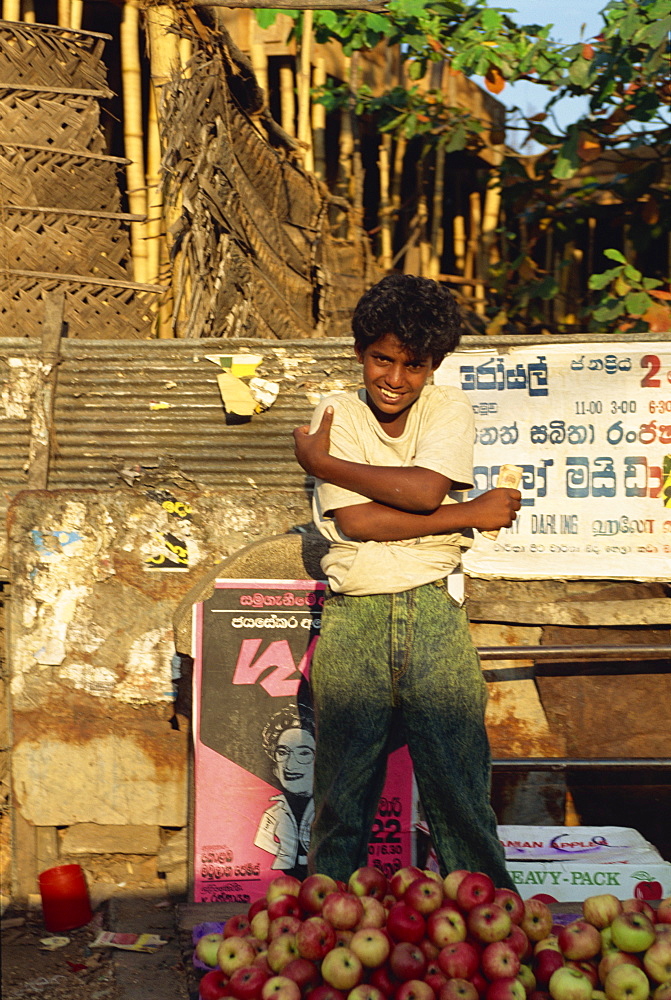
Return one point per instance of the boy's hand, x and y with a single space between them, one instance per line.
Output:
311 449
495 509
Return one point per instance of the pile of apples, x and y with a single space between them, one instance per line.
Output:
420 937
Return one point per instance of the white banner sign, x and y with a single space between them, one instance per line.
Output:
590 424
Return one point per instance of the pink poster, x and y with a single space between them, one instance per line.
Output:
254 743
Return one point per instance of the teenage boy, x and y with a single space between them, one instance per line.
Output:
395 655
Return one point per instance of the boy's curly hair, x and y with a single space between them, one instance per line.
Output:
420 312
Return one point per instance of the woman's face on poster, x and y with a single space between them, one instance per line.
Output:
294 761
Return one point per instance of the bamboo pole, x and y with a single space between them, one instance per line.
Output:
357 165
259 61
287 98
133 134
63 9
154 198
473 255
319 119
76 14
304 131
437 230
422 220
386 222
185 56
11 10
490 220
29 11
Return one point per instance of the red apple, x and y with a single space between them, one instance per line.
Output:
237 926
632 931
343 938
505 989
663 913
407 961
283 885
207 947
499 961
424 895
414 989
284 906
579 940
374 913
371 946
547 962
213 985
657 960
233 953
569 984
550 942
341 968
638 906
488 922
343 910
280 988
429 948
451 882
383 979
458 989
405 924
475 888
434 977
283 925
446 926
368 881
511 902
480 984
303 972
459 961
314 891
401 879
587 968
259 904
627 982
325 992
537 920
662 992
527 979
365 991
519 942
246 983
281 951
601 909
260 925
613 958
314 938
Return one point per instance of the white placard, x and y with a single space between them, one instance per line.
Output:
591 426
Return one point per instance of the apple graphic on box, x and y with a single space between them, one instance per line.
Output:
627 982
499 961
343 910
405 924
459 961
632 931
579 940
341 968
657 960
283 885
446 926
371 946
314 938
233 953
488 922
424 895
506 989
207 947
648 889
452 881
407 961
537 920
281 951
414 989
247 982
569 984
474 888
458 989
511 902
601 910
213 985
280 988
368 881
314 890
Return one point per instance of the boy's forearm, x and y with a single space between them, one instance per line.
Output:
380 523
407 488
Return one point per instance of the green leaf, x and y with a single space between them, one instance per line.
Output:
599 281
567 159
615 255
653 34
457 139
491 19
632 274
651 283
610 310
265 18
637 303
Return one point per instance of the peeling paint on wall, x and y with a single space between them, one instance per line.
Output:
18 391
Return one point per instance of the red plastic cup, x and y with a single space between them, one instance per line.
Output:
65 898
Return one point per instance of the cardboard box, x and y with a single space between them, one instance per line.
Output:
569 863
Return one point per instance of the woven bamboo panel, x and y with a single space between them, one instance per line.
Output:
47 118
58 178
71 247
92 312
48 55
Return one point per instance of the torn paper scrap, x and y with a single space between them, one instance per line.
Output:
236 395
264 392
239 365
128 942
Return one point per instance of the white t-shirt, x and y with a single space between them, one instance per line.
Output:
438 435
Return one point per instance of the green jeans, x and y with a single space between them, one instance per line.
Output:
389 668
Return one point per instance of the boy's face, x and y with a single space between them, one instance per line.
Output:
394 380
